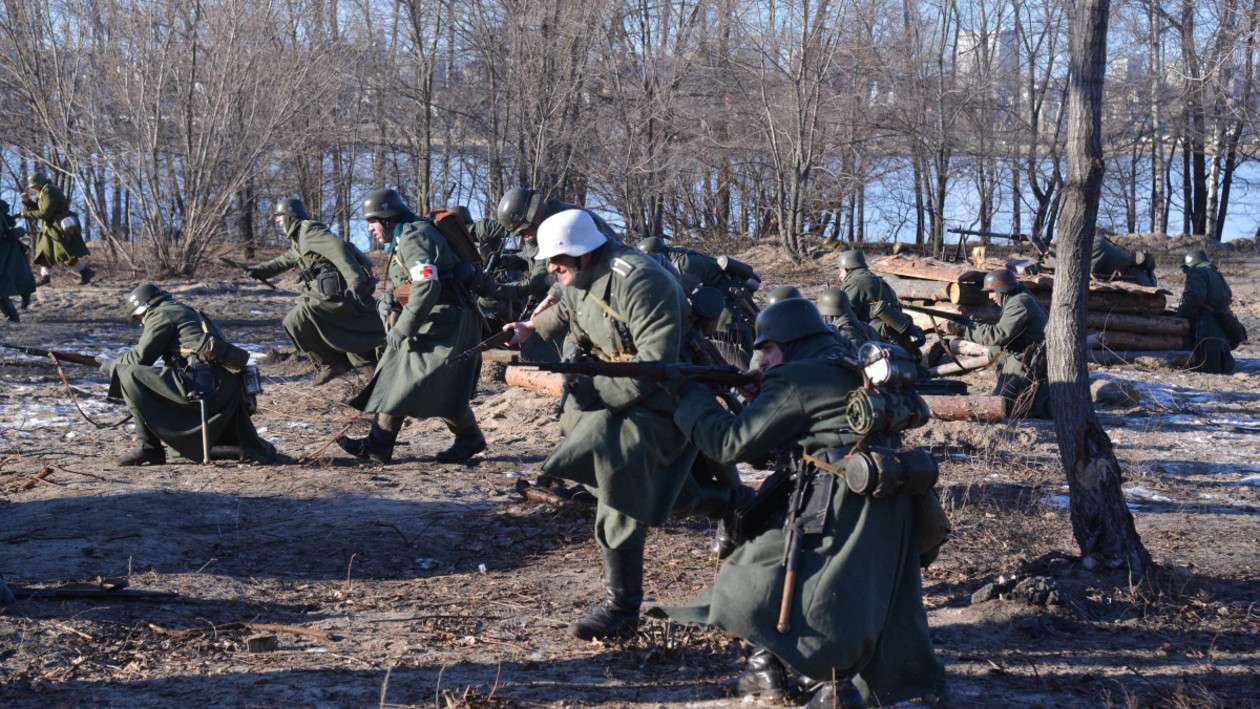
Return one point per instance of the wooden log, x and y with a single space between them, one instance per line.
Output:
1142 324
963 365
1117 302
546 383
500 356
1168 358
1120 340
928 269
966 294
917 288
982 408
967 348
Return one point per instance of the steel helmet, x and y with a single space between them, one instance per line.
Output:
1000 280
782 293
788 320
518 209
384 204
142 297
852 259
571 232
652 245
290 207
833 303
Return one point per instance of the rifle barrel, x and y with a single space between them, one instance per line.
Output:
71 357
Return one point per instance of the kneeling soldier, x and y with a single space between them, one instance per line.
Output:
335 320
168 404
1020 336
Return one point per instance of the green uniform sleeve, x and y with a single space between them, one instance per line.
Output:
1010 326
277 265
154 342
772 419
50 204
426 286
319 241
654 318
553 321
1195 294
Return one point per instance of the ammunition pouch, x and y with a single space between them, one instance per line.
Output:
221 353
251 387
329 284
757 513
200 381
868 412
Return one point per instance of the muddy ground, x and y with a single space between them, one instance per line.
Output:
437 585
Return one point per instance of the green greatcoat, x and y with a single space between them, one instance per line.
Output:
1108 258
865 291
698 269
16 278
1206 293
53 246
1019 336
440 320
160 397
328 328
625 307
857 608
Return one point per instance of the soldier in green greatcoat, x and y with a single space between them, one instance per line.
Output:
335 320
857 613
1110 261
838 313
166 402
1019 336
619 437
701 270
438 321
876 303
60 238
16 279
1205 302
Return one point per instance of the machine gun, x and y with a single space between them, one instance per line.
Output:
1042 250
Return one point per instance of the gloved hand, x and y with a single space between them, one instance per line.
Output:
28 201
107 365
484 285
396 337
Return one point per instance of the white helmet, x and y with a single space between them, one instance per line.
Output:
571 232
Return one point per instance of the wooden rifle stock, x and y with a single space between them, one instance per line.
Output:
72 357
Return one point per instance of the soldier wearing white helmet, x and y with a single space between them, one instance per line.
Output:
619 436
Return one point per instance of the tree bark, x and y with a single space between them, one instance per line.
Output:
1101 522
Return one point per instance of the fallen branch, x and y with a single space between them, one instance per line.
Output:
251 627
320 453
69 390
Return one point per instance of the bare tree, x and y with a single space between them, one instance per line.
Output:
1101 522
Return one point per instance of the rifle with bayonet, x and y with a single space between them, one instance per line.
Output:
72 357
246 269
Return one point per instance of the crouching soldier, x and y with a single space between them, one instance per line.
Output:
202 377
335 320
1020 336
1205 302
853 612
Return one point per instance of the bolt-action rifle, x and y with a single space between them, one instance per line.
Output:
72 357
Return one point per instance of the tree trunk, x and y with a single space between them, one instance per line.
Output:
1101 522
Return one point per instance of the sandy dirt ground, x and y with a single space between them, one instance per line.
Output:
437 585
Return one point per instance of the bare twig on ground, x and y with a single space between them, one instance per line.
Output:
75 400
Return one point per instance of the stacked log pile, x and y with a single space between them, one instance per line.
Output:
1125 320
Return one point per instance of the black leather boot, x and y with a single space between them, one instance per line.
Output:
468 442
150 450
764 676
329 372
840 694
26 301
377 446
619 613
10 312
85 276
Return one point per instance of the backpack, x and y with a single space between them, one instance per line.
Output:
452 226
